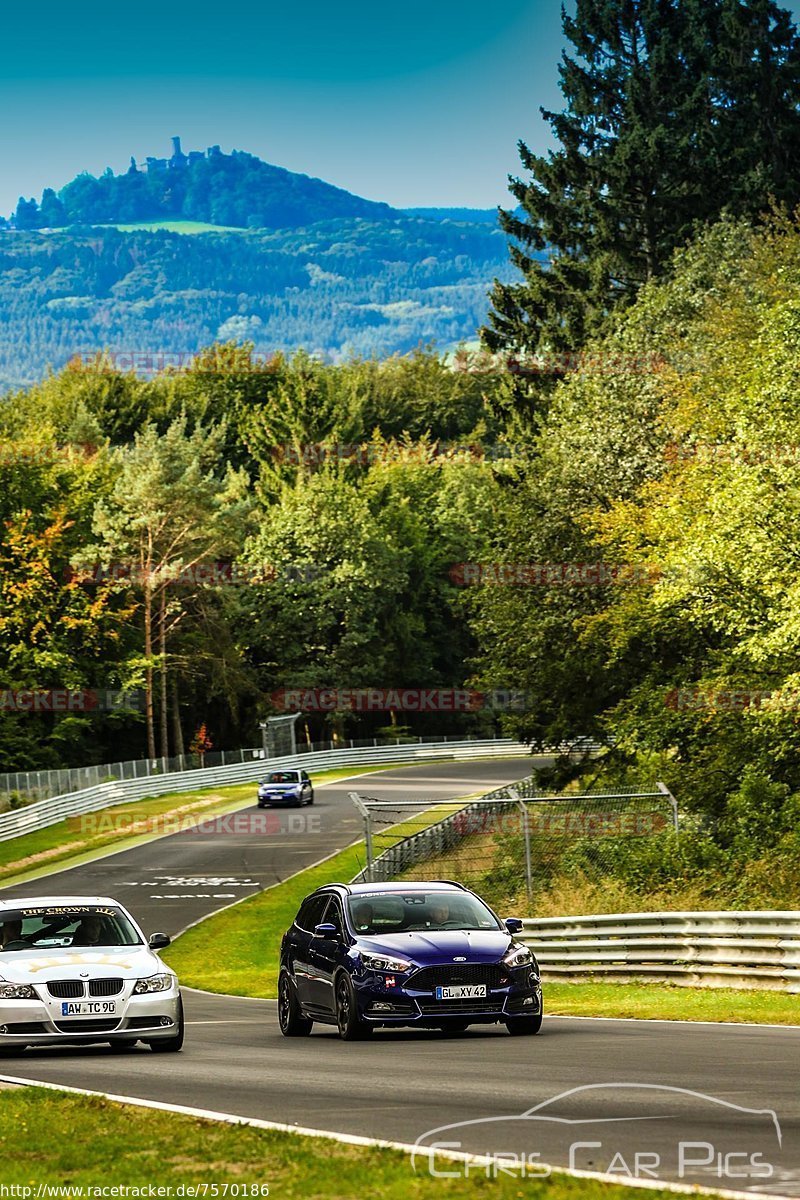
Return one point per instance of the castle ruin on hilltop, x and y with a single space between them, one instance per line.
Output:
177 162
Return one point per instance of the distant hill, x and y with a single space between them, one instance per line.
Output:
339 287
177 253
482 216
219 189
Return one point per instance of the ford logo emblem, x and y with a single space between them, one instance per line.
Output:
461 958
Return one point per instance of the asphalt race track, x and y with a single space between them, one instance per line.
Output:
170 883
711 1104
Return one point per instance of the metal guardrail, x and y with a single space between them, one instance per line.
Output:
44 785
759 949
43 813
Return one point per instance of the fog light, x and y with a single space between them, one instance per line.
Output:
528 1000
166 1021
3 1029
379 1006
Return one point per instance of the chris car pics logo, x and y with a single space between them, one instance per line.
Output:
628 1131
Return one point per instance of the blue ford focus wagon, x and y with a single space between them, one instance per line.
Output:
425 954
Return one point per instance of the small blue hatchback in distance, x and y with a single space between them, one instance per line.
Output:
425 954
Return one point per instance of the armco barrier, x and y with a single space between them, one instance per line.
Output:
49 812
695 949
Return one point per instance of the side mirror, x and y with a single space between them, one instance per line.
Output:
159 941
513 924
326 930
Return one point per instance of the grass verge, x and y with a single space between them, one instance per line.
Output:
77 839
237 950
75 1142
662 1002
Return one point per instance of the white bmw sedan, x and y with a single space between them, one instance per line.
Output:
75 970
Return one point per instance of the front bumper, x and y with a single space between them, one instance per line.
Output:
403 1004
292 798
37 1022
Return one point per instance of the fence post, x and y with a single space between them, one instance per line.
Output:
526 833
662 787
362 808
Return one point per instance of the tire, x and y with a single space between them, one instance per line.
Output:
311 797
351 1027
173 1044
524 1026
290 1018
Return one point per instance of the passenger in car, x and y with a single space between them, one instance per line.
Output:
11 931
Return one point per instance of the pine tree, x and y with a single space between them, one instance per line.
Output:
27 214
52 210
675 111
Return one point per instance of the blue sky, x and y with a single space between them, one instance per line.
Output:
421 105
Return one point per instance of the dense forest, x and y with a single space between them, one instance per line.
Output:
624 567
337 288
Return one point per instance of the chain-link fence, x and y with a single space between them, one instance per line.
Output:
510 835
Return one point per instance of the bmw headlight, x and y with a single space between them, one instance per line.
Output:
382 962
518 955
16 991
154 983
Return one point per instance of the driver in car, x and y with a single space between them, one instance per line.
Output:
89 931
439 913
363 915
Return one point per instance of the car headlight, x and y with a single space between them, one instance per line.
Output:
153 983
518 955
382 962
16 991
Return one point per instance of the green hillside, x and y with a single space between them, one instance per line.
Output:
339 287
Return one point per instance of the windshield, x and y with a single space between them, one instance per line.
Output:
408 912
47 927
283 777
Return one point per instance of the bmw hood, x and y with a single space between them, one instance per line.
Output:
475 946
115 962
